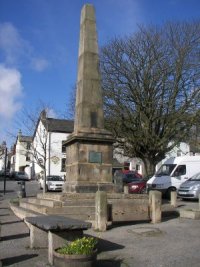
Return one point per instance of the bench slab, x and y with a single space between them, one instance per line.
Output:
57 223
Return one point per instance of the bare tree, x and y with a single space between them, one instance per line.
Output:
36 123
151 84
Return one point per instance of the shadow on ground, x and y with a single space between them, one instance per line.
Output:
11 237
12 222
105 245
108 263
17 259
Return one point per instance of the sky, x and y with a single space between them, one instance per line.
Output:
39 42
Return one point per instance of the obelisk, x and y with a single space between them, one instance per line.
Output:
89 149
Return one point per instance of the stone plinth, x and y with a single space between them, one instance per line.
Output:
89 164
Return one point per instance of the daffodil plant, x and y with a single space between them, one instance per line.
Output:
81 246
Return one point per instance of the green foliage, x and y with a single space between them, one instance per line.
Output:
81 246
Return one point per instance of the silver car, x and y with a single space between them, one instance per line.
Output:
191 188
53 183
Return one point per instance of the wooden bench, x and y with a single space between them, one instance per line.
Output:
52 231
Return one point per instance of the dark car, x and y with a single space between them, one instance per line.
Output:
137 187
20 176
126 177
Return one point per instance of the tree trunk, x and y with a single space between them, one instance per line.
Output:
149 167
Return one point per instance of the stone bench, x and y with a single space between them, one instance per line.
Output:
52 231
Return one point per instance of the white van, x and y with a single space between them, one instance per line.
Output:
173 173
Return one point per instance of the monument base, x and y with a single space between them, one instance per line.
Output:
91 188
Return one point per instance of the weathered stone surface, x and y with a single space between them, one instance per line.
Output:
127 209
101 211
56 223
89 104
89 149
190 214
38 237
155 200
43 202
173 197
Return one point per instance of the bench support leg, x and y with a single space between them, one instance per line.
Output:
38 237
57 239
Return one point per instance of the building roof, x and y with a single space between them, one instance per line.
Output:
24 138
58 125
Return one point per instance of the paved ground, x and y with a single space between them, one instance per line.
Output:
173 243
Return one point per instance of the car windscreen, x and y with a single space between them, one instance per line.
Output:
195 177
21 173
130 177
165 170
54 178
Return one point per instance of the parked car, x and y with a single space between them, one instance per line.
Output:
190 189
126 177
20 176
137 187
2 173
53 183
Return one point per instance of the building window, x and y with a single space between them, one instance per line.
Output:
137 167
63 169
28 146
28 158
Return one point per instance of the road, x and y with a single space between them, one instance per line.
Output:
12 188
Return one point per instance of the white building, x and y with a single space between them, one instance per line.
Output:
22 160
23 152
47 146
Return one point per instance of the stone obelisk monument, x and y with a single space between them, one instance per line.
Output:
89 149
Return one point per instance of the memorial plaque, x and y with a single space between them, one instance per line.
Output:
95 157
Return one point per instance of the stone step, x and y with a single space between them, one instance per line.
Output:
43 202
65 196
22 212
33 207
51 195
73 211
76 210
79 202
83 217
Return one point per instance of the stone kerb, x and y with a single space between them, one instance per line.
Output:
191 213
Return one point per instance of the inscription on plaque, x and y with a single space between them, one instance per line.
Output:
95 157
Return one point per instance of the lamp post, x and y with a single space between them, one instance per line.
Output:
5 164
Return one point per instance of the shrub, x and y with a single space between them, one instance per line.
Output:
81 246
